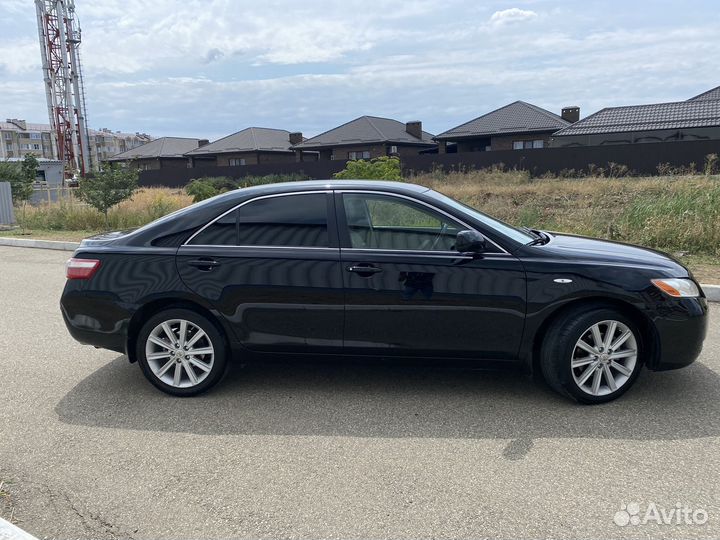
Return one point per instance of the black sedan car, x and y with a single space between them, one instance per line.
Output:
378 269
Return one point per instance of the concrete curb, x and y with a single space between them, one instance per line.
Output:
711 291
41 244
11 532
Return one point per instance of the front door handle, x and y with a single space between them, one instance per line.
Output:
204 264
364 270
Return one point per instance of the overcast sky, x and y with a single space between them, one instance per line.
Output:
206 68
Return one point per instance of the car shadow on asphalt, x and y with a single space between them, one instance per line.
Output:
390 401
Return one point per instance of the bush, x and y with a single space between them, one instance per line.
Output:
204 188
381 168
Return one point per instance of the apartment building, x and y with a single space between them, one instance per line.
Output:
18 137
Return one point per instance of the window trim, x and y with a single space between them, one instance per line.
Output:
332 231
343 222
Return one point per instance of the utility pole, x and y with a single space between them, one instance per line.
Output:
59 35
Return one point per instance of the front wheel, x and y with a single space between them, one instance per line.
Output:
181 352
593 356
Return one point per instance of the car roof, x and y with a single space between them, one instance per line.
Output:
383 185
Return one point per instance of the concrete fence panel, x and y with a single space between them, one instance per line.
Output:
7 215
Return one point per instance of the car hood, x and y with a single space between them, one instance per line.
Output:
566 246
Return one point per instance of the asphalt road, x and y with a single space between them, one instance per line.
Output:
89 449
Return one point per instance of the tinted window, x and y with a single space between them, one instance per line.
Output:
223 232
289 220
382 222
503 228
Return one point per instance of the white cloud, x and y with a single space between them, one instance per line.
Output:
511 15
211 67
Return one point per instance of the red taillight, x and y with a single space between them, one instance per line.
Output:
81 268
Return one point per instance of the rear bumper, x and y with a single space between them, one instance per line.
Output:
681 330
95 321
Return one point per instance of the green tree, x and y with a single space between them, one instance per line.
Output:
381 168
104 189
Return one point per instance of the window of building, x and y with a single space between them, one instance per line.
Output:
24 146
393 149
352 155
36 147
525 145
235 162
8 136
35 136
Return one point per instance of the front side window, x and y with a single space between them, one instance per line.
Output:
385 222
517 145
286 221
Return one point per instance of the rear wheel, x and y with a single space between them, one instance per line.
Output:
593 356
181 352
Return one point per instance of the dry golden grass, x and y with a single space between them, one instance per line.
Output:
673 213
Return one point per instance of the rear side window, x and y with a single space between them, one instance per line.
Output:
222 232
286 221
290 220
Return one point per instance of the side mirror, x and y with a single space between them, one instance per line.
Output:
470 242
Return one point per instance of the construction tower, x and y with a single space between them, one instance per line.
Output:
59 35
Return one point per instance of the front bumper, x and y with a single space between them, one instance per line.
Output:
681 328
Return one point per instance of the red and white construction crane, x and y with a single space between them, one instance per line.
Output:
59 35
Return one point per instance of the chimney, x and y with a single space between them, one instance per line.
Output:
571 114
414 129
202 142
296 138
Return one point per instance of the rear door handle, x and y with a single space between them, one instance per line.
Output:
364 270
204 264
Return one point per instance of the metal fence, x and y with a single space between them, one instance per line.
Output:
7 216
640 158
48 193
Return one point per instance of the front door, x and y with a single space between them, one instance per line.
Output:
409 293
272 269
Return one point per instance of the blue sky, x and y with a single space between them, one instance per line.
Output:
207 68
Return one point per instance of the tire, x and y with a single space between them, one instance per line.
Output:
586 372
172 368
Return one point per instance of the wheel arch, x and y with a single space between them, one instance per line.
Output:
152 307
649 335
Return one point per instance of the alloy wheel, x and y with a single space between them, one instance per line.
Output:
179 353
604 358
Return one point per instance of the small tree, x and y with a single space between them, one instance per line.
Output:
381 168
110 186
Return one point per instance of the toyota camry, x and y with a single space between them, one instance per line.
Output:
378 269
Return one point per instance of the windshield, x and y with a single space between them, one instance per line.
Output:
503 228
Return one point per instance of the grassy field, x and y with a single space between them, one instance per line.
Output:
678 214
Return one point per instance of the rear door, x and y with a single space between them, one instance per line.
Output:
271 267
409 292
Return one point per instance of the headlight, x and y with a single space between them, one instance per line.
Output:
677 287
